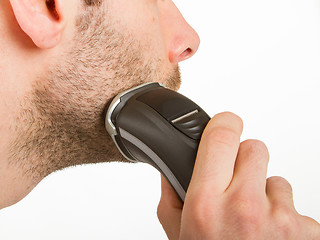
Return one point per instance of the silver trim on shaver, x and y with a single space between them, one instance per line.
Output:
115 102
157 160
185 116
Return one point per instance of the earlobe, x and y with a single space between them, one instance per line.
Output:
41 20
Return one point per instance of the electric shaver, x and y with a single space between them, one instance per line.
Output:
158 126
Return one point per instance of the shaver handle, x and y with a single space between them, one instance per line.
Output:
163 128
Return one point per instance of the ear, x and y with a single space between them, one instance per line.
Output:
42 20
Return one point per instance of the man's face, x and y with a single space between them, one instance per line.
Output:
116 44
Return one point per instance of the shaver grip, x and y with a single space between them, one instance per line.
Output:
161 127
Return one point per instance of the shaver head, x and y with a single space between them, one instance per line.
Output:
158 126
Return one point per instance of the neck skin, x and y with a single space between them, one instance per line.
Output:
61 63
18 64
12 182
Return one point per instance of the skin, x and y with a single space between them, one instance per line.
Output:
72 58
229 196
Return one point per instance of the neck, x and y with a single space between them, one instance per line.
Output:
14 185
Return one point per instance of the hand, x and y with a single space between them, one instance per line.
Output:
229 196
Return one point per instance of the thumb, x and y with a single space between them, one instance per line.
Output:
169 210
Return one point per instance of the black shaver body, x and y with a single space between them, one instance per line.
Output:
155 125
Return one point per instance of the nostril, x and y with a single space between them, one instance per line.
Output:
186 54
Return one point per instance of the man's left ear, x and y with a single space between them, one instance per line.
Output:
42 20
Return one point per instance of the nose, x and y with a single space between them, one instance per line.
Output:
184 45
182 40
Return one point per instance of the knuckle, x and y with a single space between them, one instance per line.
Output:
227 119
286 222
202 216
248 212
279 181
253 146
313 227
222 136
229 115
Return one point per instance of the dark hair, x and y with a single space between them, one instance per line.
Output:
93 2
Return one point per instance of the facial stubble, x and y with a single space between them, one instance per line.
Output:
61 122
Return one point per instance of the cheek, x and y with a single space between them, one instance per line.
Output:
140 18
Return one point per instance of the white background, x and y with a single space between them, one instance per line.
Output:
259 59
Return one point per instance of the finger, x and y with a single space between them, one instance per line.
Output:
169 210
314 227
279 192
216 156
250 171
169 195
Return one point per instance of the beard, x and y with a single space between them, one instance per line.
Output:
61 122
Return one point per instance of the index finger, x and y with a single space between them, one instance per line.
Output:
217 154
